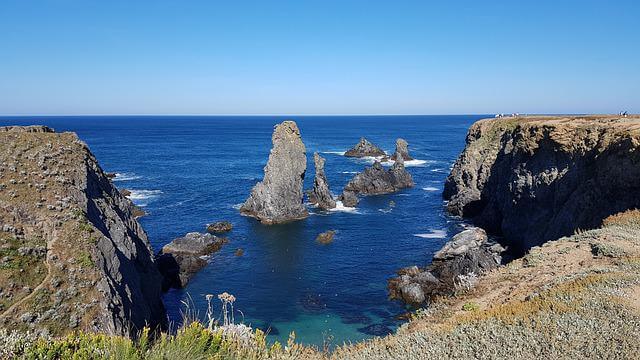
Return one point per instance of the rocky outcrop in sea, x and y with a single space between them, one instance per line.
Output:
278 197
320 194
402 148
457 265
376 179
185 256
534 179
365 148
97 272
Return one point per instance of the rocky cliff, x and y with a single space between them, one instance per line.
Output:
534 179
278 197
72 254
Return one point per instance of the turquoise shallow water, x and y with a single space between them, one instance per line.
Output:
190 171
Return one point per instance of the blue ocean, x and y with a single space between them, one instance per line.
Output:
188 171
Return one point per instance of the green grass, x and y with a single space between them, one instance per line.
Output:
193 341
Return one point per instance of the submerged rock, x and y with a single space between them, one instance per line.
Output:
365 148
219 227
183 257
326 237
467 255
376 330
278 197
402 149
376 180
321 195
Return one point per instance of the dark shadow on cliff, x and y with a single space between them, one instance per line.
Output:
533 197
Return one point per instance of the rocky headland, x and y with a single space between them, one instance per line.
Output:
376 180
278 197
534 179
365 148
73 255
321 194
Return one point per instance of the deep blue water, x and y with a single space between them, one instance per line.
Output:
190 171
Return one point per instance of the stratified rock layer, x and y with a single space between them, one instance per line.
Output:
365 148
376 179
278 197
534 179
96 270
320 194
402 148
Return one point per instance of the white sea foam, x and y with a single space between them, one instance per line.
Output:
126 177
434 234
389 162
349 172
144 194
437 170
341 207
430 188
237 206
341 153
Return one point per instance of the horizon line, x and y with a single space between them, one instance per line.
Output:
265 115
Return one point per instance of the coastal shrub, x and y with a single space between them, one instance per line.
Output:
629 218
84 259
607 250
470 306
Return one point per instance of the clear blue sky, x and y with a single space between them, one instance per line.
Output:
318 57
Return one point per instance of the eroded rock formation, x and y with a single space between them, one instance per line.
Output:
320 194
365 148
376 179
278 197
467 255
402 148
96 270
533 179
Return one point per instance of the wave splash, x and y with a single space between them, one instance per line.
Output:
434 234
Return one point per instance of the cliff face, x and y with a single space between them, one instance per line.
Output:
534 179
72 254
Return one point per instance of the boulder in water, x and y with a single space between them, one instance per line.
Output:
349 198
183 257
278 197
219 227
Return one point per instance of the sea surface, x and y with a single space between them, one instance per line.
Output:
190 171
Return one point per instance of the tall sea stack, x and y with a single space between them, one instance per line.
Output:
278 197
402 148
321 195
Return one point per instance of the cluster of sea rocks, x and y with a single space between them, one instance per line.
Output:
455 266
279 197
